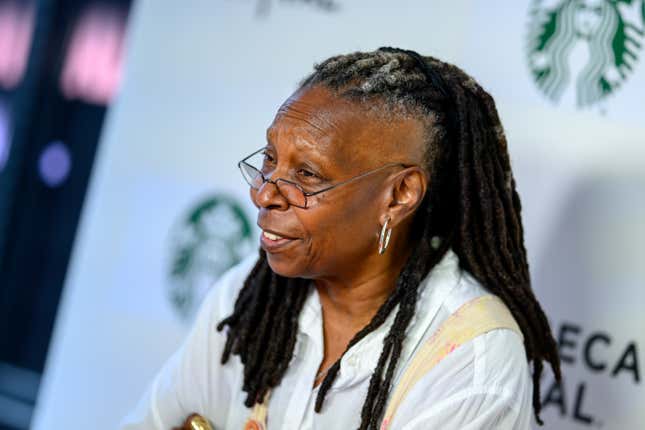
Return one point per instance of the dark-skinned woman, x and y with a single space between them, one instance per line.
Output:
391 290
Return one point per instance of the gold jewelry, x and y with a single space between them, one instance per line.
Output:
384 237
196 422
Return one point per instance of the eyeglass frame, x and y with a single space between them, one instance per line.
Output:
298 186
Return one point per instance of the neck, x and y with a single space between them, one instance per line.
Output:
351 300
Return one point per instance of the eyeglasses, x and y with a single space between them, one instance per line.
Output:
292 191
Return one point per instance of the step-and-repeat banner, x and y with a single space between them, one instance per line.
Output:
167 210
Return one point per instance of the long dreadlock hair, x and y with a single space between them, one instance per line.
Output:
472 206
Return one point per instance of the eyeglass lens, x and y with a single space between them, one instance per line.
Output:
290 191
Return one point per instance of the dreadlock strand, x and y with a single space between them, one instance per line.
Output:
280 348
258 343
259 271
377 320
375 383
533 340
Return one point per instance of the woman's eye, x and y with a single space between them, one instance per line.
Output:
307 173
267 156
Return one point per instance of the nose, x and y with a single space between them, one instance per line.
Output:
269 197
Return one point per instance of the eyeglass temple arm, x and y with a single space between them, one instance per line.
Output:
308 194
362 175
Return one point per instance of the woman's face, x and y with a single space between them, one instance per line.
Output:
318 139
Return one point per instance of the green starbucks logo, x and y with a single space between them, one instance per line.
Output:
213 235
584 50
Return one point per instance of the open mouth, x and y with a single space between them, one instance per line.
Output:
272 236
272 242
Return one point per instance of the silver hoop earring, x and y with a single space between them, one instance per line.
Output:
384 237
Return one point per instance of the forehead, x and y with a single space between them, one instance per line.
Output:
316 119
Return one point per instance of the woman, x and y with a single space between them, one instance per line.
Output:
386 202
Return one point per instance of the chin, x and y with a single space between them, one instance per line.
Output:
286 267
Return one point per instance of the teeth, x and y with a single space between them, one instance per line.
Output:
271 236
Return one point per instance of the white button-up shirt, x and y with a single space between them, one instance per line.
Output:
483 384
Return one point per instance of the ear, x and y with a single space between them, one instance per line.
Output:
407 190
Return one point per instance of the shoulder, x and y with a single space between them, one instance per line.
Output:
485 380
497 358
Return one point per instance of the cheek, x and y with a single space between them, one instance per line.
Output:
345 231
337 235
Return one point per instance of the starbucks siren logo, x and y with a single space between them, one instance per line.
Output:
584 50
211 237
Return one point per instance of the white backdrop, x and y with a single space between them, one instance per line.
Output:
203 81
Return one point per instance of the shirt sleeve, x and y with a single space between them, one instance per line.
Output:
472 410
484 384
193 380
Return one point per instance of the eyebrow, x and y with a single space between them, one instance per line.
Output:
309 160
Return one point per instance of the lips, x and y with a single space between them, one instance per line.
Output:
271 236
273 241
275 235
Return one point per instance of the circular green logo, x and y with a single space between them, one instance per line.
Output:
212 236
584 48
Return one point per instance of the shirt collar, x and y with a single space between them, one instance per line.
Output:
361 359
